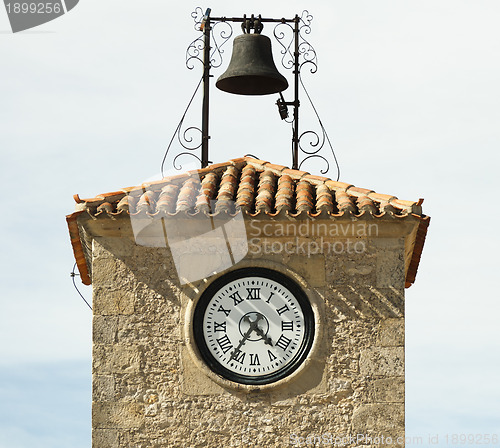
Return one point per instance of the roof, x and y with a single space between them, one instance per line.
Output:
255 187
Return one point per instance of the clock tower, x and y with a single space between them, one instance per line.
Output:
247 304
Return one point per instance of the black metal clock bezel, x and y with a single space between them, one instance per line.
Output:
288 283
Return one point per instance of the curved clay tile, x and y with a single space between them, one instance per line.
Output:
147 202
285 194
227 190
265 192
386 207
324 200
187 195
105 207
344 202
246 190
305 197
124 204
365 204
207 193
168 198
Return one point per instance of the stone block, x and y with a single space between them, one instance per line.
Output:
382 361
382 419
195 382
103 388
391 332
117 415
104 329
389 390
116 359
114 246
390 263
107 438
113 302
311 268
104 271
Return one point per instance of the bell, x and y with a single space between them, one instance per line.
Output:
251 70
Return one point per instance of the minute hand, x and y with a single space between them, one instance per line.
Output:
267 339
253 326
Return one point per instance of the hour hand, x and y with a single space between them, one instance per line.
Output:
255 327
267 339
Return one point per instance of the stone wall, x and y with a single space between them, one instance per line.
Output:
150 390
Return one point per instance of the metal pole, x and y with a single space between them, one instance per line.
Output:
296 103
206 85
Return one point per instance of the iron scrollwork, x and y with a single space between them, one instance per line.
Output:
292 38
220 33
285 34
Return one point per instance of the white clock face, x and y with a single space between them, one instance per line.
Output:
254 326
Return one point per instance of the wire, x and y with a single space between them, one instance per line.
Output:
179 126
321 124
73 274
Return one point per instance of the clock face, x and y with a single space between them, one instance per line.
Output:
253 326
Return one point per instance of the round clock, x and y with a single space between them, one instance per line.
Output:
253 326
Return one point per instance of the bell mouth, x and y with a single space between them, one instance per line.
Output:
252 85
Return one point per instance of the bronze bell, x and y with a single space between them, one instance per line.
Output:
252 70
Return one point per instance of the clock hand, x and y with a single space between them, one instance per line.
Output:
253 326
267 339
240 344
258 330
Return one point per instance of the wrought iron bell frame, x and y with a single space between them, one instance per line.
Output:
296 53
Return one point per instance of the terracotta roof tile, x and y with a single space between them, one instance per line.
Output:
324 199
365 203
257 163
246 189
295 174
227 190
305 197
187 195
254 186
266 190
356 191
336 185
207 193
168 199
316 179
285 195
275 168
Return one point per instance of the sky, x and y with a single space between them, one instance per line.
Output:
409 95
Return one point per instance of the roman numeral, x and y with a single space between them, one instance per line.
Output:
254 359
283 342
224 343
236 298
271 355
269 299
253 293
226 312
222 326
238 356
286 326
281 310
